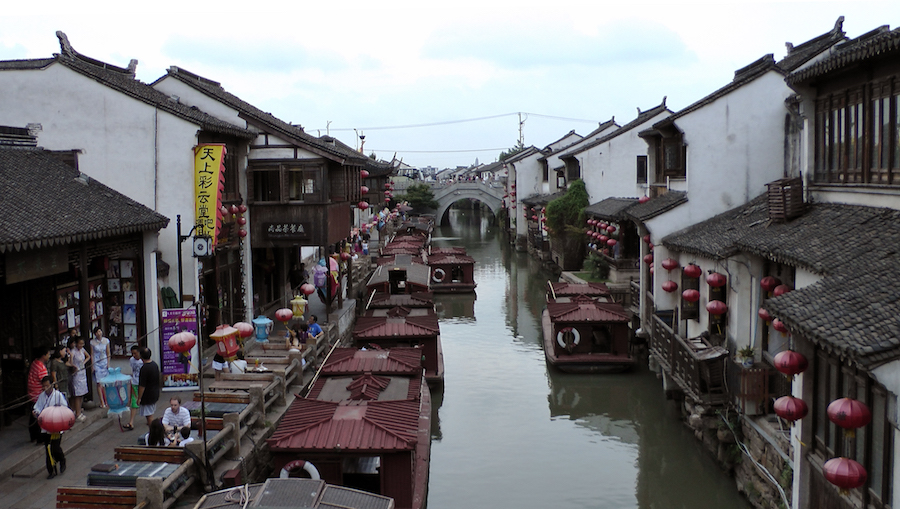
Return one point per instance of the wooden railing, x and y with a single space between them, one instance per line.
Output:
695 365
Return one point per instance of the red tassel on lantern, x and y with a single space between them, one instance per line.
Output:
790 408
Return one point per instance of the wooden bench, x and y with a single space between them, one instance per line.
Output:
223 397
82 497
150 453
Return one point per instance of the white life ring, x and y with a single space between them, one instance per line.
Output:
305 465
561 337
439 275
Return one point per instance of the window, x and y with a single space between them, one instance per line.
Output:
641 169
674 152
546 172
266 186
873 443
301 182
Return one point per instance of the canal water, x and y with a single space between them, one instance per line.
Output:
508 431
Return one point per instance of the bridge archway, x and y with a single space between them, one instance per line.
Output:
448 194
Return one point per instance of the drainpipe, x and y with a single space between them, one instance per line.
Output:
644 331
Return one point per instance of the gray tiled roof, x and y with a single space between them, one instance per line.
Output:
326 145
875 44
54 207
855 308
656 206
610 209
802 53
542 199
123 81
642 117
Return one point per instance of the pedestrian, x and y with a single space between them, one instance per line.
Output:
176 416
314 328
100 351
36 373
60 362
80 358
135 362
219 365
52 441
148 385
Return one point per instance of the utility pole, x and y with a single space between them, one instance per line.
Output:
521 133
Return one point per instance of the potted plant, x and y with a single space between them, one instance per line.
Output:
745 356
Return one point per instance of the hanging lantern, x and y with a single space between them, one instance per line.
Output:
387 185
716 280
362 205
646 239
262 325
543 219
781 290
790 408
363 174
845 473
602 238
611 242
534 218
225 337
611 228
223 210
643 199
779 326
690 295
790 363
242 208
648 259
670 286
716 307
849 414
670 264
345 256
242 233
242 221
652 268
182 342
769 283
245 330
765 315
650 246
284 315
307 289
363 189
387 199
298 306
116 386
692 270
56 419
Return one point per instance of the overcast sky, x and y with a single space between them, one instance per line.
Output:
380 67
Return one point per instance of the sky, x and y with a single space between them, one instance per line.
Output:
441 84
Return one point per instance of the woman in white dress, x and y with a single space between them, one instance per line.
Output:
80 358
100 349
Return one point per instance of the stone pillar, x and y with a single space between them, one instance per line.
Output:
150 490
235 420
258 400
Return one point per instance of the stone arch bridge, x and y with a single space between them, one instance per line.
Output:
447 194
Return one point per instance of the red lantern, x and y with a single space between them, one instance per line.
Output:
670 286
56 419
307 289
611 242
779 326
670 264
543 219
387 199
764 315
242 208
790 408
716 280
242 221
242 233
611 228
363 174
345 256
648 259
716 307
781 290
690 295
602 238
790 362
643 199
845 473
234 210
534 218
591 222
769 283
692 270
646 239
225 337
245 330
182 342
651 267
387 185
363 189
362 205
849 414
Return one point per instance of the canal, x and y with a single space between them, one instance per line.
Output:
509 432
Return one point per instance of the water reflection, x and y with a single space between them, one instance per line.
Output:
509 433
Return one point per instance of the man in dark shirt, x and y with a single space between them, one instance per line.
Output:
148 386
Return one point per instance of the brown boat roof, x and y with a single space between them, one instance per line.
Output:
448 250
409 300
375 327
311 425
586 310
565 288
396 361
400 259
415 273
367 386
450 259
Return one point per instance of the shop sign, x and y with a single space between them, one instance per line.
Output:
286 230
37 263
179 371
209 181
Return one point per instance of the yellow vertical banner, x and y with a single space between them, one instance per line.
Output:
209 174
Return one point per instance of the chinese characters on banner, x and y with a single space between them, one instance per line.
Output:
178 371
209 182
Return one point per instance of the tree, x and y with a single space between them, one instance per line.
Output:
419 196
511 152
565 214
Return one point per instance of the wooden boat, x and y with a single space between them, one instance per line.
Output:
584 335
403 326
452 273
365 424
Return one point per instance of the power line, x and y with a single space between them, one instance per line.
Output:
461 121
439 151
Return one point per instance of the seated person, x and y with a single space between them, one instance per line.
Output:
297 337
314 328
184 437
157 434
176 416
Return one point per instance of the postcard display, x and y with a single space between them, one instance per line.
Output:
122 306
68 308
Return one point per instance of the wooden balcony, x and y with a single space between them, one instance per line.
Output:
696 365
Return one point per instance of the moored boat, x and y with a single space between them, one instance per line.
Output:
584 335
